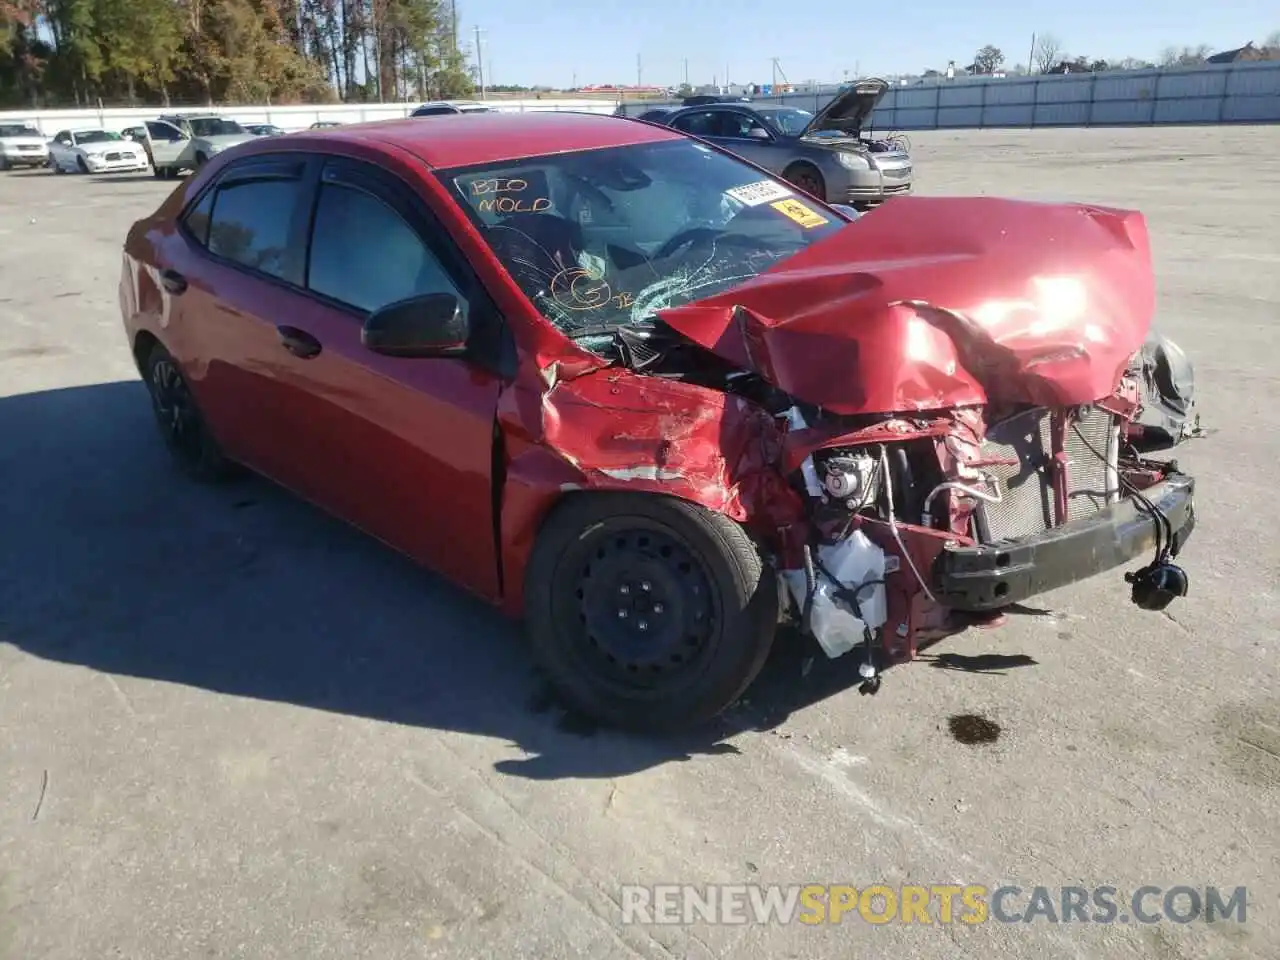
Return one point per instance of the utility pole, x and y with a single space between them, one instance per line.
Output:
686 71
1031 57
453 20
480 63
639 72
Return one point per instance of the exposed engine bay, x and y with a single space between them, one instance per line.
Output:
890 496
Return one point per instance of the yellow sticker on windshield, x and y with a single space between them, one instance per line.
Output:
806 216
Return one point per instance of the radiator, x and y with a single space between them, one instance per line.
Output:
1026 488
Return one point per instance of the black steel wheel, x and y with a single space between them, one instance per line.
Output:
183 428
807 179
648 612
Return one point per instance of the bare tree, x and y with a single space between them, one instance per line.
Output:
1047 53
988 60
1185 57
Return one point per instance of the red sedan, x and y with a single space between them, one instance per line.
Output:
657 401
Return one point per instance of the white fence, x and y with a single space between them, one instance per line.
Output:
287 118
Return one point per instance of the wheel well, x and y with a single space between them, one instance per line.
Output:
142 347
807 167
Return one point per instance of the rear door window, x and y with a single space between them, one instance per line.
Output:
251 220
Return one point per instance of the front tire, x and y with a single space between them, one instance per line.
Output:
182 426
648 612
81 165
807 179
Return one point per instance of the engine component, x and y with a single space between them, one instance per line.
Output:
851 478
849 600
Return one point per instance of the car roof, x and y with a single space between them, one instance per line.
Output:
457 141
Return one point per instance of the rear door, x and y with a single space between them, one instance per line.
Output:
232 272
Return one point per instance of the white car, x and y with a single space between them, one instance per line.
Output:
22 145
95 151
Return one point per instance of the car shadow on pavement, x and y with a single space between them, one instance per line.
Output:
116 562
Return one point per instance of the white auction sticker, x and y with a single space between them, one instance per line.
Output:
754 194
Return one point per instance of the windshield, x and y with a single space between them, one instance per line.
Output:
605 238
96 136
18 130
215 127
786 120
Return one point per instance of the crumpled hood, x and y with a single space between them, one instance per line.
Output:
929 303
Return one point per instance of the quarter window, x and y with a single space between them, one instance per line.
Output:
249 223
365 255
197 218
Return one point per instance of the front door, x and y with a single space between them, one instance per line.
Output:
401 447
165 144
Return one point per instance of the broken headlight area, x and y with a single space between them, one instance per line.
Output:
919 527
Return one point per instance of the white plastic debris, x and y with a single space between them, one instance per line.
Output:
854 561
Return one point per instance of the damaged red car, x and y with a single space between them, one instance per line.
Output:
658 402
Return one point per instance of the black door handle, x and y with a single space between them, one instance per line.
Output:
298 342
173 281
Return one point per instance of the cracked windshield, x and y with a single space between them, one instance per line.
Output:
604 238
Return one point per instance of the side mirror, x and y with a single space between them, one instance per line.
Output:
433 325
758 133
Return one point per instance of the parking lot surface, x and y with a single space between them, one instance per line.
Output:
231 727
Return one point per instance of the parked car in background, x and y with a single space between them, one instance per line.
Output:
325 124
656 400
188 141
444 107
264 129
22 145
94 150
656 115
824 155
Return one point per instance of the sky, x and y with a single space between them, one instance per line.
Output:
566 42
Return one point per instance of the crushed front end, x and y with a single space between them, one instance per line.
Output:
922 525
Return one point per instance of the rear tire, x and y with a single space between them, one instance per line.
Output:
648 612
160 173
184 430
808 179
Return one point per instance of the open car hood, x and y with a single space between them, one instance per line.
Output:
848 111
930 303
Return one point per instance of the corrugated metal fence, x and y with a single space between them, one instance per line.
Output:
1230 93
